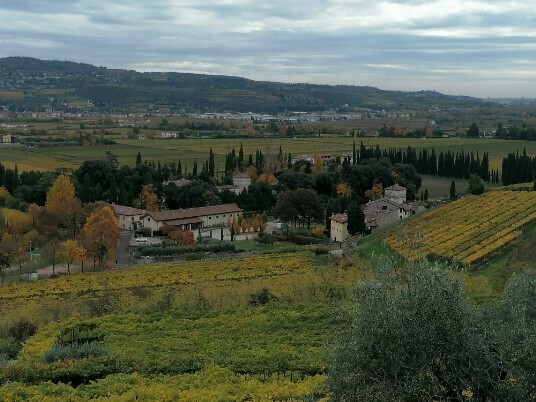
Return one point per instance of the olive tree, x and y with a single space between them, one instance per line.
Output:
413 335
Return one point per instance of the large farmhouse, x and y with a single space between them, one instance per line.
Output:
391 208
129 218
378 213
192 218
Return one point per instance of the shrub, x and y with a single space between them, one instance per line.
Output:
145 232
266 239
22 330
304 240
9 347
74 351
321 251
262 297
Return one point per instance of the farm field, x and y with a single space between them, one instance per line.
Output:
439 187
468 230
190 149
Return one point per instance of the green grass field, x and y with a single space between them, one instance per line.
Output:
190 149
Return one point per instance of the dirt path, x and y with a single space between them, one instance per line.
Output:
59 269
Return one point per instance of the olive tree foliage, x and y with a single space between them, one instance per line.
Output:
413 335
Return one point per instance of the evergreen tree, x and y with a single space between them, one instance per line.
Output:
211 165
356 219
452 190
240 156
194 170
425 194
473 131
476 185
138 159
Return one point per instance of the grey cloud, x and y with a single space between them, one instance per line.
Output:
292 42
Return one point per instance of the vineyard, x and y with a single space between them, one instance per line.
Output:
266 353
269 339
211 384
169 275
467 230
254 328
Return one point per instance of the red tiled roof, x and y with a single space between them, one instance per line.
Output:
128 211
194 212
341 218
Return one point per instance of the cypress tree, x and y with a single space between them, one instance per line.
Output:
138 159
211 165
240 155
452 190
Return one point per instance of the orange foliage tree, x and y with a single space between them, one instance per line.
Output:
375 193
149 199
33 213
344 190
100 235
183 237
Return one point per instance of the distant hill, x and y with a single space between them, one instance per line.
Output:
186 91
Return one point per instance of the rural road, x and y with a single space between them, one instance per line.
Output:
122 255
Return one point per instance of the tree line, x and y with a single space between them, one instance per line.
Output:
460 165
518 168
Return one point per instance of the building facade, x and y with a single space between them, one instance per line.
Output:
389 209
128 217
192 218
339 227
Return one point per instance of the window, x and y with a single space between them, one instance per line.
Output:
224 216
210 217
217 216
132 219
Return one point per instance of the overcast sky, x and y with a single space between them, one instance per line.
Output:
470 47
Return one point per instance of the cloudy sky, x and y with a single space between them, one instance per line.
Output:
471 47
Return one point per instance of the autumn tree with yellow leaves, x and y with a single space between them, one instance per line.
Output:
71 251
100 235
375 193
62 190
149 198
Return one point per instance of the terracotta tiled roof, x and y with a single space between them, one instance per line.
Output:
341 218
127 211
194 212
384 200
